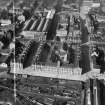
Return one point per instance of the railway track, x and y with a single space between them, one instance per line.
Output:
46 91
40 95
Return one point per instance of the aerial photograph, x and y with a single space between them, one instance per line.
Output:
52 52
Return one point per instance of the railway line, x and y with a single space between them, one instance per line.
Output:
74 97
91 88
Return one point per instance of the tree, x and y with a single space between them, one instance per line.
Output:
58 6
21 5
4 14
27 14
10 5
65 46
71 55
35 4
57 38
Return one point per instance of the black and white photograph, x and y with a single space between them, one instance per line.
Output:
52 52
